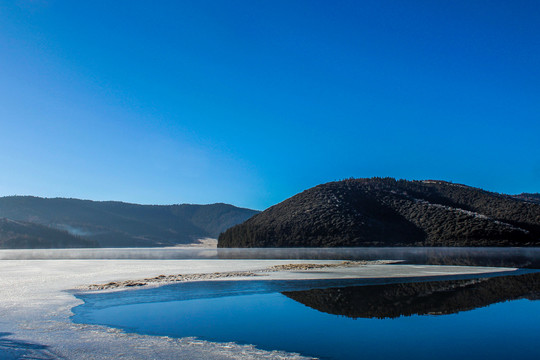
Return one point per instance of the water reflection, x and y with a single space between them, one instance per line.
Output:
373 325
422 298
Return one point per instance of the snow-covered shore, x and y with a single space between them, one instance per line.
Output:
36 303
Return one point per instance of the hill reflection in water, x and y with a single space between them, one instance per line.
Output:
421 298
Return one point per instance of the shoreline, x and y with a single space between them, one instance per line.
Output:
37 298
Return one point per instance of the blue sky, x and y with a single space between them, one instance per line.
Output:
249 102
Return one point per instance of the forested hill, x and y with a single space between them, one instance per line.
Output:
118 224
24 235
389 212
535 198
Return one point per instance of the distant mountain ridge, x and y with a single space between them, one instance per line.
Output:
118 224
389 212
25 235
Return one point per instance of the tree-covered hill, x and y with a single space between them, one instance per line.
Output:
389 212
24 235
535 198
118 224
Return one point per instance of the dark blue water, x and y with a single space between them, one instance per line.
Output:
495 318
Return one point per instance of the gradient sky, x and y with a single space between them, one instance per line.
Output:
249 102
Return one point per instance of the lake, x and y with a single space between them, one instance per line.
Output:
494 317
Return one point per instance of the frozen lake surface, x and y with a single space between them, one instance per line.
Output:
38 297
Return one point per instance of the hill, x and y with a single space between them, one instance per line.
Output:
535 198
118 224
24 235
389 212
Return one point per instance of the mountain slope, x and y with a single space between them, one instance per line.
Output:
535 198
118 224
389 212
24 235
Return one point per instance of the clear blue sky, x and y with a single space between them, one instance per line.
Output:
249 102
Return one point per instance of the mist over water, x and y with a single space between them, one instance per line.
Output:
479 256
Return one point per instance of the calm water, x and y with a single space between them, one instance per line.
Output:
496 318
479 256
506 257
